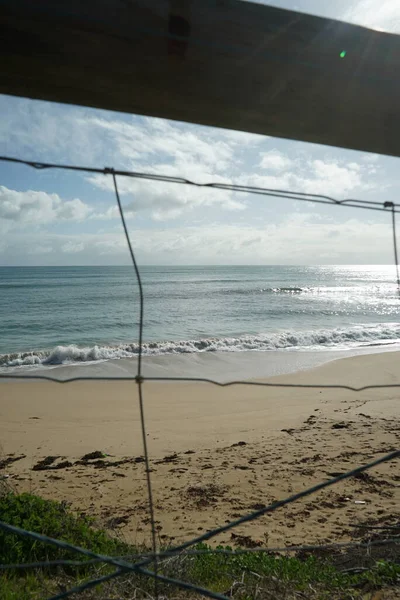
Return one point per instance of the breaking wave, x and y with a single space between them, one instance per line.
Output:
387 291
339 338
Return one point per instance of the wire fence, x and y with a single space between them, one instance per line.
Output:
149 563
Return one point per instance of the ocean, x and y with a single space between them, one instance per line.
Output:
82 315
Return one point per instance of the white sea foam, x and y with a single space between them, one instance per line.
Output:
339 338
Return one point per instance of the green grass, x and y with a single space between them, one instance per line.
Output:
28 587
54 520
244 576
219 571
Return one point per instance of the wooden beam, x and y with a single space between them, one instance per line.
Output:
224 63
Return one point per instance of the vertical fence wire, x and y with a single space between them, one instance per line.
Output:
139 380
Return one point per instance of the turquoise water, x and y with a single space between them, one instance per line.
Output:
55 315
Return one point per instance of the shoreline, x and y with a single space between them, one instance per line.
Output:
215 452
220 366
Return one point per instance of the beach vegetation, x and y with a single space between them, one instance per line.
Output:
243 576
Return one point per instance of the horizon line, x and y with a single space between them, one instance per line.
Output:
200 265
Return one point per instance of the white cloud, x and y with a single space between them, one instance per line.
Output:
371 158
299 239
38 130
73 210
243 137
202 155
274 161
72 247
111 213
140 141
332 178
112 245
327 177
196 153
39 207
165 200
37 249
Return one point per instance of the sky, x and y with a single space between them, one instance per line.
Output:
61 218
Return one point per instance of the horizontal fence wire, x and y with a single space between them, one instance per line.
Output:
244 382
231 187
156 557
168 554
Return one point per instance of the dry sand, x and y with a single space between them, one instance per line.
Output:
216 453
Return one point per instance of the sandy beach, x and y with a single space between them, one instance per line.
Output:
216 453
